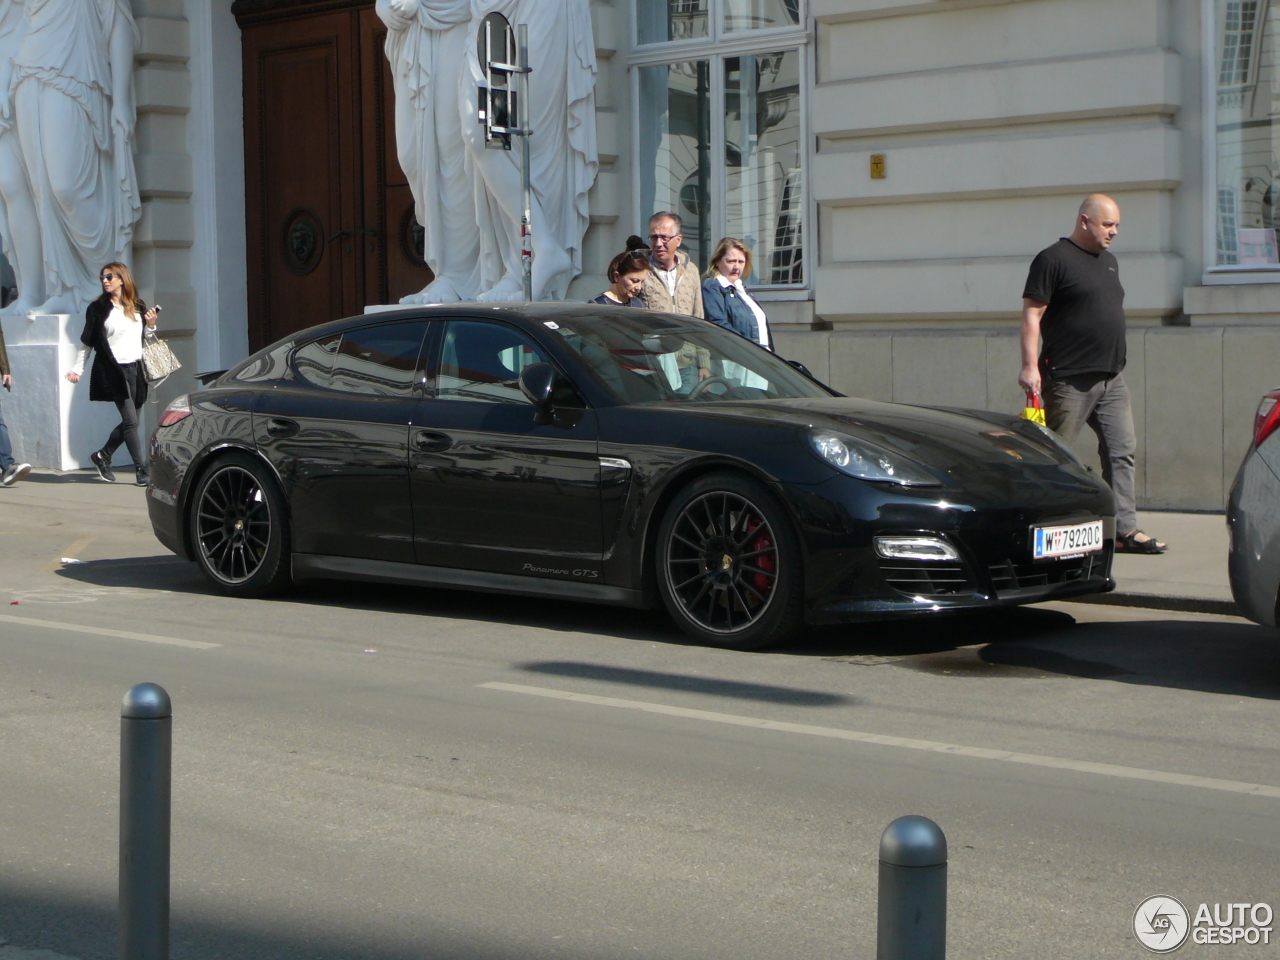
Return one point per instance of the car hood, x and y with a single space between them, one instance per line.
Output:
959 446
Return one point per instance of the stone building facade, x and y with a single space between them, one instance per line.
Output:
895 165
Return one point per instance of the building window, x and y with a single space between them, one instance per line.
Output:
720 135
1246 135
663 20
1228 238
760 14
1239 21
675 135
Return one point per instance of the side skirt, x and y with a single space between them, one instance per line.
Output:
314 566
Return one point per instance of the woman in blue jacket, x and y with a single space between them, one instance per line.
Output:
724 298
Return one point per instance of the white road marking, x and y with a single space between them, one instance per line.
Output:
104 632
931 746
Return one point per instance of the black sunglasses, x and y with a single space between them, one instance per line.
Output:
108 276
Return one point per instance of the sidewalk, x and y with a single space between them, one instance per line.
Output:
1191 576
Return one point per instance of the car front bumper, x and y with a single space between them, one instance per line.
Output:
847 580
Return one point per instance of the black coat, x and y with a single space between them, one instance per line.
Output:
107 379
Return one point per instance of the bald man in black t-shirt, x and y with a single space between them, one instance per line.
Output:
1073 299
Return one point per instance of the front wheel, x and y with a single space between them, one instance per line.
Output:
239 529
729 564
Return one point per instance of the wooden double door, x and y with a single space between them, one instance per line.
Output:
331 223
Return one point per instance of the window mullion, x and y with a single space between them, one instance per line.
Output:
717 215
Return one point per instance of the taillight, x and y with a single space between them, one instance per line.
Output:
179 409
1268 417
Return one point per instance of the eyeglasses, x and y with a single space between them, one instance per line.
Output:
661 238
108 276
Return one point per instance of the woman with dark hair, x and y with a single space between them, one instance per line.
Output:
725 299
114 326
626 274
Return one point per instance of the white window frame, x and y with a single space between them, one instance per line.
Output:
718 46
1214 274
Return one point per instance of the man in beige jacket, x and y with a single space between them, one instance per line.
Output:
672 285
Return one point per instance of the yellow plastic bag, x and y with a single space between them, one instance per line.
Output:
1034 410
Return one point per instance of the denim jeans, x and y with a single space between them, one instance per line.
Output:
1103 403
6 449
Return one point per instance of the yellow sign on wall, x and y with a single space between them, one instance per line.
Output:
877 166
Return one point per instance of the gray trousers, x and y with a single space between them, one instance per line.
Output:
1103 403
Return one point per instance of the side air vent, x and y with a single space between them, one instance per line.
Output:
926 578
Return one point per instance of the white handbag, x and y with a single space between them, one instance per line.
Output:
158 360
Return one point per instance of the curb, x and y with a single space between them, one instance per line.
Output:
1157 601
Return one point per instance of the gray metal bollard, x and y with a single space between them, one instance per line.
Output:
146 747
912 912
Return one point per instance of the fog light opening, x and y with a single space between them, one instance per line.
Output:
915 548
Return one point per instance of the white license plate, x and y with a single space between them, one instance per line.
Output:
1071 540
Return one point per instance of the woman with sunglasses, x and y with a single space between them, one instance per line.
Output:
114 326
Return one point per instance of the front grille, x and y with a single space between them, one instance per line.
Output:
927 578
1008 576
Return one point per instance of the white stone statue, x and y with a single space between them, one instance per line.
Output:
17 206
71 100
426 46
563 159
468 198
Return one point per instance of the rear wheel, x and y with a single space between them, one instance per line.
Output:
239 529
729 564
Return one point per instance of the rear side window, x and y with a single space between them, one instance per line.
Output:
313 361
270 364
380 360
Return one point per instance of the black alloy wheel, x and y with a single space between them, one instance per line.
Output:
238 528
728 564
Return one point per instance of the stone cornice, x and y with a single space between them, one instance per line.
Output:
259 11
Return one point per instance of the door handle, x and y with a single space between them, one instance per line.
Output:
429 442
280 428
369 232
340 233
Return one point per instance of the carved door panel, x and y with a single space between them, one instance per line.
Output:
392 240
330 216
301 175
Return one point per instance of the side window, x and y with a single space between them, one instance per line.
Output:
313 361
482 361
380 360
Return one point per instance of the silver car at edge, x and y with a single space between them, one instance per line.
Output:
1253 519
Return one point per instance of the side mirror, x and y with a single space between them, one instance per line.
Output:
538 383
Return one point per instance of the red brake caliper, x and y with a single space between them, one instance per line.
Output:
764 561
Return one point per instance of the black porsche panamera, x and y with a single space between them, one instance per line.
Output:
618 456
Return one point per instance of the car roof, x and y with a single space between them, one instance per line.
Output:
524 314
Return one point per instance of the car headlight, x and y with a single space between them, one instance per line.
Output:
866 461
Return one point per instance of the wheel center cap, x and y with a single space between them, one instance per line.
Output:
726 562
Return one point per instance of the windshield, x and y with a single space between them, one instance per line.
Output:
643 357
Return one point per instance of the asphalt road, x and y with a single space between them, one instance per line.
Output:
379 772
